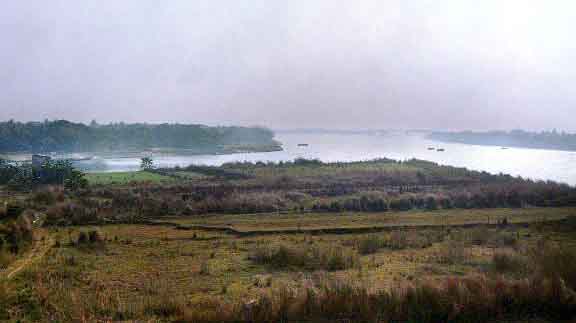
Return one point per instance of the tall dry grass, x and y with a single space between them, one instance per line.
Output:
456 300
549 292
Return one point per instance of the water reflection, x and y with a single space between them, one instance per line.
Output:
530 163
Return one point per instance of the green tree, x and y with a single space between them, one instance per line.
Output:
75 180
52 172
146 163
7 171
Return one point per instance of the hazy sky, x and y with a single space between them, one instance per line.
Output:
295 63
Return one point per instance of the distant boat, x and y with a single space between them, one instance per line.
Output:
440 149
431 148
302 145
503 147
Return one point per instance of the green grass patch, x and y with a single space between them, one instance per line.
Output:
188 175
121 178
351 170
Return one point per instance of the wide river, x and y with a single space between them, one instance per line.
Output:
530 163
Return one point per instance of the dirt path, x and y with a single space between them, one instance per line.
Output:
41 244
345 230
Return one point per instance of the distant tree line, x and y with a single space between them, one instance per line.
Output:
515 138
66 136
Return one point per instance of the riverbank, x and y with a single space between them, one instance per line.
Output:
160 151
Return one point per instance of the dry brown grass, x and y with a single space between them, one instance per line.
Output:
456 300
158 273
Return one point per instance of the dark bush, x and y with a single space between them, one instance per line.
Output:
82 238
507 262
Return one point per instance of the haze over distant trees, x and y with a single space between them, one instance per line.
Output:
515 138
66 136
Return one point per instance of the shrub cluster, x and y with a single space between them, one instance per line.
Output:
53 172
15 235
310 258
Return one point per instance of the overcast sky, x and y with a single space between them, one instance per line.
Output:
450 64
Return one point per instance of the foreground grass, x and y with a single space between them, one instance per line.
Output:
122 178
158 273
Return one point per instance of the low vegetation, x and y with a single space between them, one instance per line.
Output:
16 233
309 258
125 178
303 186
249 243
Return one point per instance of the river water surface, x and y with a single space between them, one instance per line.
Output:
529 163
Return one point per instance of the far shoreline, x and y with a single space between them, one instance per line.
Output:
25 156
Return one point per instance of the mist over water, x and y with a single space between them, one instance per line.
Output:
536 164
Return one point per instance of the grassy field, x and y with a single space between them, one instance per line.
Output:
310 221
376 241
332 170
160 273
122 178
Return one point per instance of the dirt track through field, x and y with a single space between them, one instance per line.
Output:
346 230
40 247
